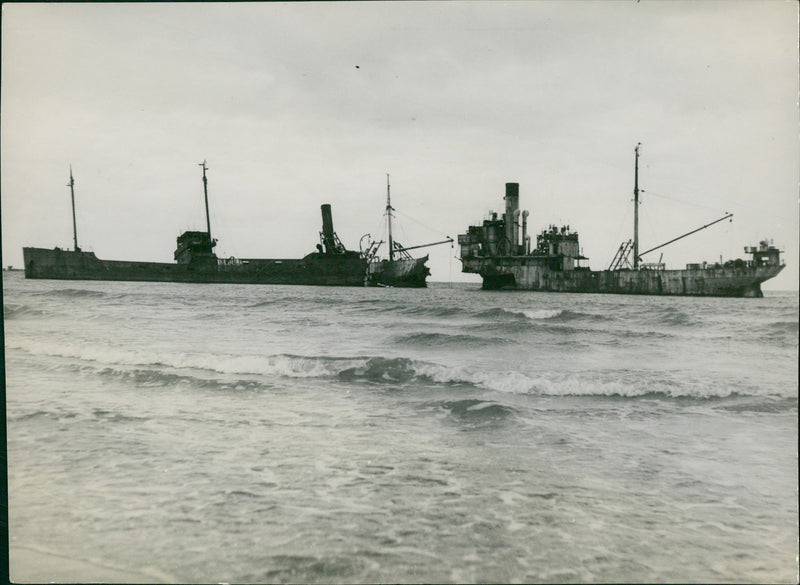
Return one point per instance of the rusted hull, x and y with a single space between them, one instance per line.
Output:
314 269
719 281
406 272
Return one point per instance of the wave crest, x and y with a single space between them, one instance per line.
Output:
156 368
72 293
528 315
382 370
433 311
498 314
477 411
436 339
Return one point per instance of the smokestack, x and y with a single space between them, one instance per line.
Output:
327 228
512 204
525 237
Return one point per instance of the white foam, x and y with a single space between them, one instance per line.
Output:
542 313
278 365
606 383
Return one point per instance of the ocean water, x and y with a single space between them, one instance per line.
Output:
273 434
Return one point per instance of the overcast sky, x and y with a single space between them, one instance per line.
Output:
298 104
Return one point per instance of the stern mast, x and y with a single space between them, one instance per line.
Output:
71 186
389 218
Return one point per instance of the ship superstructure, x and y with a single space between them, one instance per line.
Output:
500 251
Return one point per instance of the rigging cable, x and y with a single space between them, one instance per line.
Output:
662 196
405 215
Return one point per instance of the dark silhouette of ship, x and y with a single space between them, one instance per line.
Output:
505 260
400 269
195 261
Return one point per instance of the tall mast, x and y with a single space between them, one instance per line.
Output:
389 217
205 192
636 210
71 186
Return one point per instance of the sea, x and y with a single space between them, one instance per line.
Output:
202 433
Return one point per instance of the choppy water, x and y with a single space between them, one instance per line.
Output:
205 433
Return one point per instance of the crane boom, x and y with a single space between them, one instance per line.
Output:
448 240
727 215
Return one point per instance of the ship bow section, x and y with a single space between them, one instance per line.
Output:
60 264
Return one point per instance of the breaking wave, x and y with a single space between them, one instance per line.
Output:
546 314
251 372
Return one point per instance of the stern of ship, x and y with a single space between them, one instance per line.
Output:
406 273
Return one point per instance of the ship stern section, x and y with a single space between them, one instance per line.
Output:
405 273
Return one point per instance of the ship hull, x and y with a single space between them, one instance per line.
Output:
346 269
406 272
718 281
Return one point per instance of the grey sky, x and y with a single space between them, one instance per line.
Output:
294 105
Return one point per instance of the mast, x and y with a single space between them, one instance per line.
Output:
636 210
389 217
71 186
205 192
